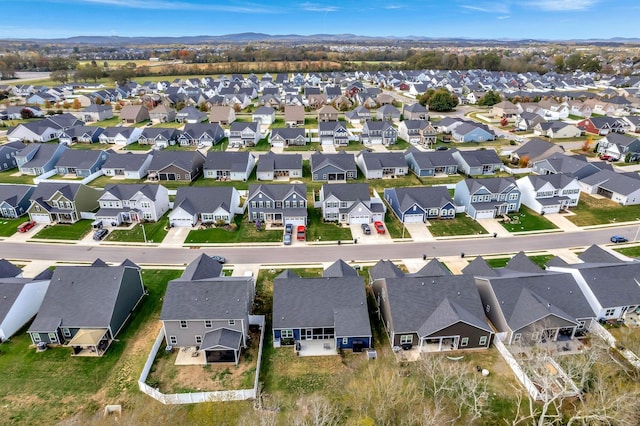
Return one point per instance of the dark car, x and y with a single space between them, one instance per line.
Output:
287 239
288 229
442 148
619 239
218 259
366 229
100 234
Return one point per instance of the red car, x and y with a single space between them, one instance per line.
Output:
379 227
302 234
26 226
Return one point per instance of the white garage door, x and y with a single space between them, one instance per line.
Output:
181 222
40 218
413 218
484 214
279 144
295 220
359 219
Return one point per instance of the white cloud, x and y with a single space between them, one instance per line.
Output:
394 6
314 7
498 7
181 5
562 5
504 17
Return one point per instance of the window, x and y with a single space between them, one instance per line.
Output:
581 324
145 204
232 322
324 176
36 337
53 337
517 337
66 332
513 196
464 342
535 336
286 334
208 324
487 308
351 175
198 340
147 216
406 339
178 176
183 324
345 340
609 312
483 341
173 340
253 204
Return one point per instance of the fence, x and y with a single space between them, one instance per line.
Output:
199 397
602 332
45 178
517 371
517 170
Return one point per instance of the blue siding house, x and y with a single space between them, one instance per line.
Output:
15 200
489 197
431 163
420 203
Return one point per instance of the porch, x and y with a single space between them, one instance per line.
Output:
321 347
190 355
632 317
90 342
558 347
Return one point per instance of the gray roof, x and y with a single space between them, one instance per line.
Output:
381 160
182 159
199 199
271 161
83 296
432 159
197 130
520 262
596 254
278 191
339 302
43 153
115 131
227 160
8 269
428 304
222 338
433 268
125 191
341 160
79 158
45 190
384 269
10 289
153 132
558 181
221 298
339 269
127 161
423 196
288 132
13 193
620 183
238 126
480 157
556 261
347 191
82 130
202 268
613 285
415 107
619 139
534 148
479 267
493 185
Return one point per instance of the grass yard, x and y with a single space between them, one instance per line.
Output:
245 233
318 230
40 381
137 147
169 125
262 146
310 146
8 227
155 232
75 231
500 262
14 176
400 145
461 225
527 220
109 122
393 225
597 211
629 251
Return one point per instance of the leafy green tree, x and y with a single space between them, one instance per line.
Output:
489 99
60 75
442 100
121 75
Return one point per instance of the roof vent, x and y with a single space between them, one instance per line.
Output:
459 293
206 298
548 305
422 282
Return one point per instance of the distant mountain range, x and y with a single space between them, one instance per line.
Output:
255 37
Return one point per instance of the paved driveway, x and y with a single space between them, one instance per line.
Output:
419 232
373 238
493 227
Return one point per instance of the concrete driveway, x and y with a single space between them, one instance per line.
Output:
176 235
373 238
493 227
419 232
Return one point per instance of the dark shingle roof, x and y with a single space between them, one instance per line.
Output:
198 199
339 269
202 268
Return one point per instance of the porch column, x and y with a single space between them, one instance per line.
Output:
440 345
573 332
421 339
235 355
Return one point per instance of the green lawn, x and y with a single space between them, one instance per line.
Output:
137 147
39 381
310 146
527 220
142 123
597 211
245 233
629 251
169 124
352 146
262 146
461 225
6 177
75 231
539 260
155 232
109 122
393 225
317 230
400 145
8 227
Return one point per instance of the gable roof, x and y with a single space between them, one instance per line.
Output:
433 268
596 254
339 269
185 160
380 160
423 196
199 199
125 191
384 269
272 161
127 161
202 268
341 160
278 191
347 191
480 268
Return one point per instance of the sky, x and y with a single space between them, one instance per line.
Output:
506 19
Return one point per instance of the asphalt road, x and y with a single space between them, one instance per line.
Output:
317 253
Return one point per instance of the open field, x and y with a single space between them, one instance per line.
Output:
596 211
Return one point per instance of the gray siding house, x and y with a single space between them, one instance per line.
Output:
207 205
488 197
378 165
81 163
420 203
349 203
36 158
478 162
433 163
15 199
333 167
235 166
272 166
277 204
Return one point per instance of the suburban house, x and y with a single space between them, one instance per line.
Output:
431 313
131 114
120 135
162 114
20 300
293 115
81 134
478 162
557 130
8 151
243 134
549 193
528 308
388 112
378 133
81 163
431 163
573 165
158 136
222 114
15 199
327 113
37 159
349 203
417 132
95 112
232 165
286 136
132 203
333 133
616 146
201 134
264 115
44 130
527 121
472 132
208 313
277 204
357 115
190 115
535 150
415 111
417 204
206 205
504 109
176 165
86 307
602 125
319 316
333 167
378 165
272 166
623 188
62 202
488 198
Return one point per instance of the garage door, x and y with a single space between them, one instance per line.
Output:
359 219
413 218
295 220
484 214
40 218
181 222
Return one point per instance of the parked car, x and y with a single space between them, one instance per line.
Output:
218 259
100 234
302 233
287 239
366 229
24 227
288 229
442 148
379 227
619 239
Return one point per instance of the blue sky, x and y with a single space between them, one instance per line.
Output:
515 19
